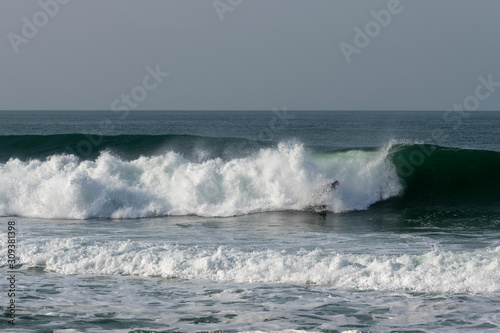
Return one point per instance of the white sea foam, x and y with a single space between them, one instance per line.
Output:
433 271
285 178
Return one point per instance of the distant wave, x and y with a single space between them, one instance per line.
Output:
127 147
148 176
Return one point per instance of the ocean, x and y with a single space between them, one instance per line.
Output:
150 221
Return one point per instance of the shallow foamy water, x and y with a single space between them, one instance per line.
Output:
262 272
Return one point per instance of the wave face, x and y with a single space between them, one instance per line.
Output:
450 177
432 271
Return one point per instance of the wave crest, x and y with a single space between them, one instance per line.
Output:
283 178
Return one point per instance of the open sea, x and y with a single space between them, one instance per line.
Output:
224 221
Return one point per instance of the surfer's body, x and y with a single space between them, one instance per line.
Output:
334 185
322 196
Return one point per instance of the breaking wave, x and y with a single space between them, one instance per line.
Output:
146 176
272 179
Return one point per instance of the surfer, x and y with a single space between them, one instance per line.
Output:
320 198
334 185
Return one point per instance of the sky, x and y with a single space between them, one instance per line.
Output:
249 54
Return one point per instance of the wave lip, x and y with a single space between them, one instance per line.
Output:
283 178
434 271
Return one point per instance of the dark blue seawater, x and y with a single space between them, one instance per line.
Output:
205 221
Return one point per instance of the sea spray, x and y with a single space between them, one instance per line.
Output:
283 178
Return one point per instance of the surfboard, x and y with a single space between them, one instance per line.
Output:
322 209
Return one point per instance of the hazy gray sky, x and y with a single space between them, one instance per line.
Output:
264 54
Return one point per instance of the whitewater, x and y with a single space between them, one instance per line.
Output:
284 178
431 271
